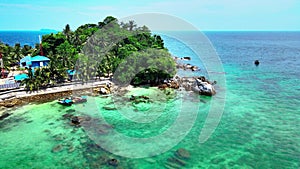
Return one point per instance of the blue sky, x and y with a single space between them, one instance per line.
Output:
204 14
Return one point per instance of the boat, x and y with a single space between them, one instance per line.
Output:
72 100
65 102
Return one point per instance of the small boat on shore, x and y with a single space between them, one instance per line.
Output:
65 102
72 100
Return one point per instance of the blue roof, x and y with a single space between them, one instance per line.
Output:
39 58
34 58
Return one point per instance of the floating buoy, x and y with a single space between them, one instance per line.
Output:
256 62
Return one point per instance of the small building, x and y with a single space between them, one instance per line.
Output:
35 61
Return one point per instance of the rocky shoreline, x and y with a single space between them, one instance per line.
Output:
199 85
40 98
105 88
43 96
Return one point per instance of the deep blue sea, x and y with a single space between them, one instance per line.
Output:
22 37
259 127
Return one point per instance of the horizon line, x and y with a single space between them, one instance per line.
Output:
204 30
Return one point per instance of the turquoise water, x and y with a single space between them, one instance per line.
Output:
260 126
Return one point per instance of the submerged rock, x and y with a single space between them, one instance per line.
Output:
47 131
71 111
170 165
107 126
177 161
139 99
102 131
109 107
182 153
59 137
217 160
71 149
75 120
113 162
79 119
57 148
67 116
4 115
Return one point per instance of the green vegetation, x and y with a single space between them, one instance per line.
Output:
149 66
13 54
130 53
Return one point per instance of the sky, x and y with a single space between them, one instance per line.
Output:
203 14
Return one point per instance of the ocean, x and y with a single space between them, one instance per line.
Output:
23 37
258 128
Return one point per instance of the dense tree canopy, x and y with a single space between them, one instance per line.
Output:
129 52
144 67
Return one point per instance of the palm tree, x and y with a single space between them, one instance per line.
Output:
67 52
76 41
56 70
26 50
67 32
16 53
124 25
29 82
7 56
131 25
109 19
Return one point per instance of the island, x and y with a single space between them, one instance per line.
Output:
113 52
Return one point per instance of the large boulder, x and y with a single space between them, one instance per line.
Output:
103 90
186 58
174 85
163 86
203 87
